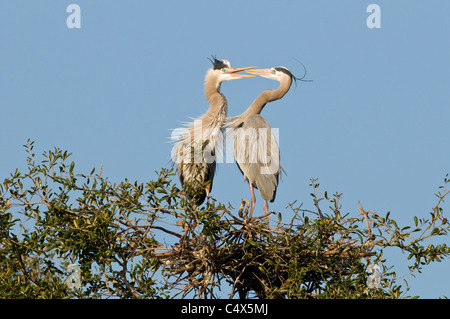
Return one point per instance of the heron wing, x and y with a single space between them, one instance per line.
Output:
257 155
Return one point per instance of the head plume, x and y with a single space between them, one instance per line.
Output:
219 64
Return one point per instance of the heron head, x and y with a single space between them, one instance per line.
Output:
278 73
224 72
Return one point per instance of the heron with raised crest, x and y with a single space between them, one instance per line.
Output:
195 152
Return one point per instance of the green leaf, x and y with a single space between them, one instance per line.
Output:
252 242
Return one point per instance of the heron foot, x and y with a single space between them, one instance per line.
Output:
243 209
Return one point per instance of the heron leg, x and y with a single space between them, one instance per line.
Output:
253 200
207 190
266 210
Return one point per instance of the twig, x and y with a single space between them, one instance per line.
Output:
366 217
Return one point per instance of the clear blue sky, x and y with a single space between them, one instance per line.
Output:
373 125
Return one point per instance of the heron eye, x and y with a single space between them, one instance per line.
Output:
223 70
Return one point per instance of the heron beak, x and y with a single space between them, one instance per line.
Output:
232 72
260 72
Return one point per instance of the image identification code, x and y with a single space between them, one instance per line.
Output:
229 308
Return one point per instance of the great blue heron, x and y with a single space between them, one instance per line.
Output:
255 147
195 151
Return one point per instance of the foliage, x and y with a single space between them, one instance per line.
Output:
136 240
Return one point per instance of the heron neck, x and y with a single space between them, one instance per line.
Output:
266 97
217 101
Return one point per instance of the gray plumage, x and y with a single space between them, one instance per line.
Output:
255 147
257 155
195 152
